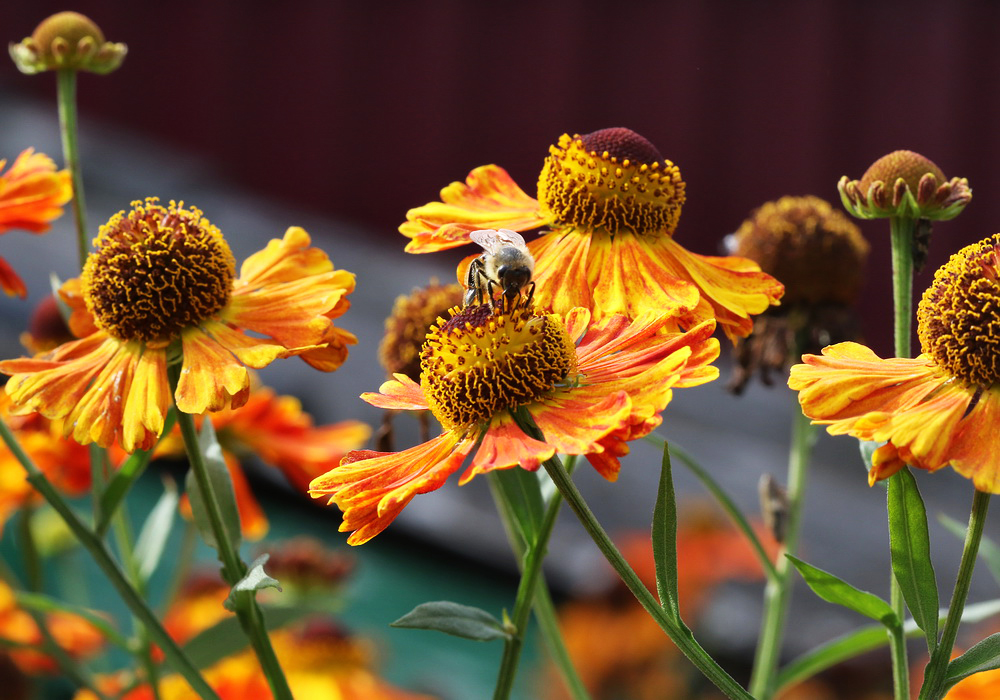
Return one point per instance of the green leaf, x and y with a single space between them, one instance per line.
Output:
665 539
156 530
866 639
254 580
909 545
988 549
522 491
984 656
835 590
125 476
46 604
452 618
222 485
227 638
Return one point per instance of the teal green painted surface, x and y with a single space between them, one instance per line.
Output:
391 577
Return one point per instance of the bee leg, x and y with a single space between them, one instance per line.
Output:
472 281
530 296
489 292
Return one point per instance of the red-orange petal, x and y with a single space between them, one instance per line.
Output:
561 265
489 198
400 394
504 446
32 193
10 283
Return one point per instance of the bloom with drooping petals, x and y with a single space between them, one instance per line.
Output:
611 203
819 255
161 288
904 184
32 194
485 362
279 433
940 408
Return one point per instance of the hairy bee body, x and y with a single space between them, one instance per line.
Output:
506 265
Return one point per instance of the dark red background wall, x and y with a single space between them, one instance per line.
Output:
362 110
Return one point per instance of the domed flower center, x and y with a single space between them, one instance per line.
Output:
611 180
959 314
907 165
156 271
483 361
813 249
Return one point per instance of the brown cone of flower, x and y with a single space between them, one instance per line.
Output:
819 255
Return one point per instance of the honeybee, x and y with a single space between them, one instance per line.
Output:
506 264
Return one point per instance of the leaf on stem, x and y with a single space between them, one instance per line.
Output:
665 539
984 656
222 485
522 492
909 545
455 619
156 530
254 580
835 590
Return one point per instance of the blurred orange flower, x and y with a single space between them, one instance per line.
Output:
32 193
611 204
484 363
162 288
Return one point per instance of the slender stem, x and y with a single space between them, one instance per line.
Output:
233 569
938 666
777 593
902 231
727 503
26 543
97 549
545 612
678 632
66 99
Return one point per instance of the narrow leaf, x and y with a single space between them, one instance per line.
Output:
909 545
522 491
835 590
665 539
222 485
156 530
254 580
984 656
46 604
988 549
452 618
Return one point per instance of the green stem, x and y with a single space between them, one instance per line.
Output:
902 231
777 593
233 569
66 99
545 612
99 551
678 632
26 543
937 668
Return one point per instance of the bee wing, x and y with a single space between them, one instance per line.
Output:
493 240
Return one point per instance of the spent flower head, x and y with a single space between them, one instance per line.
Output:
67 41
819 255
940 408
904 184
608 204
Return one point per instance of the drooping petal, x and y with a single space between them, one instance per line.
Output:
400 394
32 193
10 283
504 445
147 402
732 289
632 278
561 264
371 488
975 454
211 377
575 425
488 198
253 352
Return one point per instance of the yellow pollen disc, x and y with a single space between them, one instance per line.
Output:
483 361
959 315
156 271
624 186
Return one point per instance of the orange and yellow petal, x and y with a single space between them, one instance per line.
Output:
732 289
630 277
489 198
10 282
372 488
504 446
211 377
399 394
32 192
561 269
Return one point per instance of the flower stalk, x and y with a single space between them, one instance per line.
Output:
66 99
